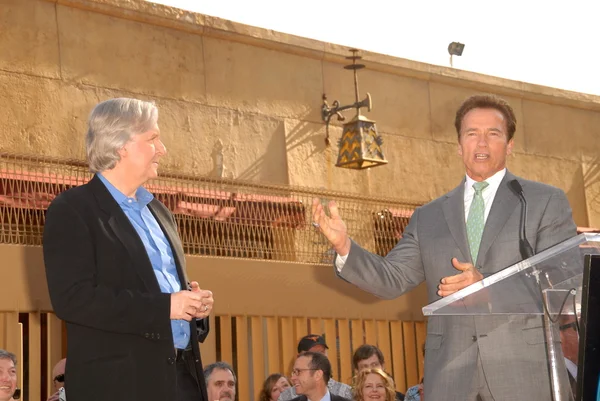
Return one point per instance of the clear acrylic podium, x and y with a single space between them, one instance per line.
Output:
547 284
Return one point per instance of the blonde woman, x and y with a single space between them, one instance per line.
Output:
373 384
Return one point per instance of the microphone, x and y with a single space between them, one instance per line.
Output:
524 245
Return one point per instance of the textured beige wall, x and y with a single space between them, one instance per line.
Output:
243 102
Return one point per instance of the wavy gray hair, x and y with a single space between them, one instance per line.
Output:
111 125
8 355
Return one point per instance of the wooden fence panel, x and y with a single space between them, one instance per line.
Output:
345 351
410 353
274 361
398 363
331 335
242 351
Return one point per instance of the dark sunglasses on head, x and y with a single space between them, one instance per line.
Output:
60 378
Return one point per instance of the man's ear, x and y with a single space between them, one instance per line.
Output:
319 374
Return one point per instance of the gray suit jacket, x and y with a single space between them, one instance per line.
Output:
511 348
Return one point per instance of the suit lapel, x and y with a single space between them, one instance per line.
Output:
454 212
125 232
503 206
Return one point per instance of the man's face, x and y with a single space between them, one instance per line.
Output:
8 379
318 348
142 153
221 385
484 143
370 362
303 377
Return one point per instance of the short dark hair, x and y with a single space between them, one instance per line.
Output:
487 102
320 362
218 366
8 355
366 351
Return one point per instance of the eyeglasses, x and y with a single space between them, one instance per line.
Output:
60 378
296 372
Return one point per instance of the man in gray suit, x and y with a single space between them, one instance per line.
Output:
473 229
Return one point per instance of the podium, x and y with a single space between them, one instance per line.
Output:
548 284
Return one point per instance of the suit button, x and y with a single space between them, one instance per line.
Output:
152 336
147 335
474 338
171 360
157 336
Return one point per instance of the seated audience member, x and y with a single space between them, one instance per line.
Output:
316 343
373 384
220 381
58 379
8 376
369 356
273 386
311 373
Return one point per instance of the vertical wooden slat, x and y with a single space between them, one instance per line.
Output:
345 351
370 332
421 330
288 344
315 326
273 347
332 353
300 328
55 351
258 354
358 334
410 353
35 351
383 341
10 332
226 338
208 348
241 341
398 366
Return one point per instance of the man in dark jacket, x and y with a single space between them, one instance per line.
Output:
310 375
116 271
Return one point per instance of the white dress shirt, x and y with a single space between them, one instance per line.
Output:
488 194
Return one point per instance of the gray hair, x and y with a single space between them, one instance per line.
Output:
8 355
218 366
111 125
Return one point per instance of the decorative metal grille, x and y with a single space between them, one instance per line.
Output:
216 217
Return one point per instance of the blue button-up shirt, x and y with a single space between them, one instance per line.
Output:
157 246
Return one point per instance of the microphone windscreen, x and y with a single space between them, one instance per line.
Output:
516 187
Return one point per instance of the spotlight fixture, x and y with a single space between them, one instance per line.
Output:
455 49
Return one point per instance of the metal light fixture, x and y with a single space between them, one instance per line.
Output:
360 144
455 49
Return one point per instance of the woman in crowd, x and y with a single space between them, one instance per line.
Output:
373 383
273 386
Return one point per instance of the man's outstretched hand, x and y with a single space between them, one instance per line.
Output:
468 275
332 227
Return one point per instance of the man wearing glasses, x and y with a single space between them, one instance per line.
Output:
310 376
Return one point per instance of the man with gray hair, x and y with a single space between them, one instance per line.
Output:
220 381
116 271
8 375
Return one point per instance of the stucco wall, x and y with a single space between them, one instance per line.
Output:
244 102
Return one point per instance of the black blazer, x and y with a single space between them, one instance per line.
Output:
333 398
101 283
